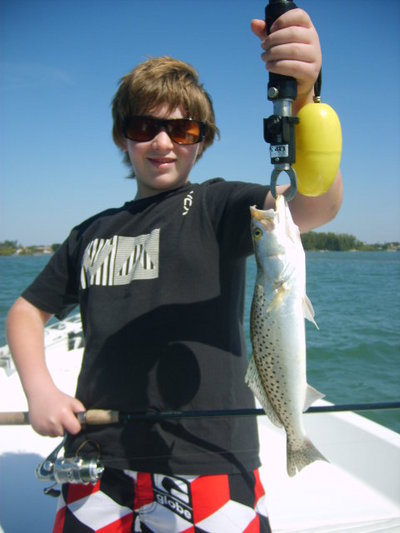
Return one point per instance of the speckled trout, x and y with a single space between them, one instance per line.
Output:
277 369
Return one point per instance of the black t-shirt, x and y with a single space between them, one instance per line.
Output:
160 284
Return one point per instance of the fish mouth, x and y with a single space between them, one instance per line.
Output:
279 203
266 218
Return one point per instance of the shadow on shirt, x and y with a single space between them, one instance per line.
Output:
181 356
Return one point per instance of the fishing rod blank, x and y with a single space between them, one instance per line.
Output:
95 417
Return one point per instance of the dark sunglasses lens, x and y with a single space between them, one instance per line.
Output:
141 129
181 131
184 131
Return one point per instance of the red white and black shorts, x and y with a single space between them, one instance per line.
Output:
127 501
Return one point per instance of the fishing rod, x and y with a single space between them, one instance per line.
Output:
93 417
82 470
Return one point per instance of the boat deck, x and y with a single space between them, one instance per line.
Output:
357 491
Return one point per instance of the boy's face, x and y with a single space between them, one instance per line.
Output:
161 164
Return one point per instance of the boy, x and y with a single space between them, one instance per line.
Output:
160 286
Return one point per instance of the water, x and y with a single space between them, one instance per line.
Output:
16 272
355 355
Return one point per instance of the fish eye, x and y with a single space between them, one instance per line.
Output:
257 233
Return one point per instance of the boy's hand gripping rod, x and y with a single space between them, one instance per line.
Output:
279 127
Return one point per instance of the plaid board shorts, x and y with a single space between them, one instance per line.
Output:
127 501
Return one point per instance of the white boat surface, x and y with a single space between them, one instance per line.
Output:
358 491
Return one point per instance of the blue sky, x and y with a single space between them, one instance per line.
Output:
60 62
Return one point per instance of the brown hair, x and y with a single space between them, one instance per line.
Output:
162 81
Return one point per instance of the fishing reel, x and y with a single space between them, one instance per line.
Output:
75 470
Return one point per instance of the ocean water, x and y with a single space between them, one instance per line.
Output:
354 357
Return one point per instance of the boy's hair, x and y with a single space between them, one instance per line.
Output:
157 82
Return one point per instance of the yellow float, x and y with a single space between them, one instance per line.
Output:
318 138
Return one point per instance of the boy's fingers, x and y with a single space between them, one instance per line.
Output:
291 52
258 27
65 421
78 406
72 424
294 17
293 34
301 71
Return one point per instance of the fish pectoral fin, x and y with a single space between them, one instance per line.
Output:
279 295
312 395
308 310
253 380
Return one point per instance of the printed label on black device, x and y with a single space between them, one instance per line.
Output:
279 150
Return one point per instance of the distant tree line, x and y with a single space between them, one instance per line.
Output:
8 247
13 247
337 242
340 242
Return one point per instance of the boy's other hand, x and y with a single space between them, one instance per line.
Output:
292 49
53 412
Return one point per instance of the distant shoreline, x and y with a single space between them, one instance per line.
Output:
354 250
38 254
312 242
11 248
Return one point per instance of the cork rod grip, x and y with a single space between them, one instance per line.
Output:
14 419
92 417
96 417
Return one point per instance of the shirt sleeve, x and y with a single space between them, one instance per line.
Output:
229 209
56 289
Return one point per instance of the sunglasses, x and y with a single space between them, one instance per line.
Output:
180 130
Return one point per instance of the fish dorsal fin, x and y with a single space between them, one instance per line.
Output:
308 310
312 395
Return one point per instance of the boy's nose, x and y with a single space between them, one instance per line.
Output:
162 141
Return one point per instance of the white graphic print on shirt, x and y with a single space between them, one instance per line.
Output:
187 203
120 260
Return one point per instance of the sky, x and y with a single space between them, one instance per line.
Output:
60 63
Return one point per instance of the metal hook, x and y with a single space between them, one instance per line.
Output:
293 182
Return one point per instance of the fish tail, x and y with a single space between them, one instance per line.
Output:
298 458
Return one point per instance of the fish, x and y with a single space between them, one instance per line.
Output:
276 373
